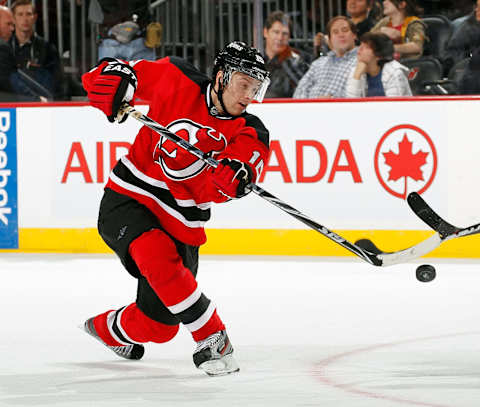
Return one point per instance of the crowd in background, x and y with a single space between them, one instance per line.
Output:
378 48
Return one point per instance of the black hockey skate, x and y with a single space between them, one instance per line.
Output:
133 352
214 355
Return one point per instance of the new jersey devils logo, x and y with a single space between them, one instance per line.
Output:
176 162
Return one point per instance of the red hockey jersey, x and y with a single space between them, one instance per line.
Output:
175 185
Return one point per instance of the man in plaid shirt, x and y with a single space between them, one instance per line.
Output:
327 76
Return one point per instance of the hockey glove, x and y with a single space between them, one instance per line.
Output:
115 84
232 177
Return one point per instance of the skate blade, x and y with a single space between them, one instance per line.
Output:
220 367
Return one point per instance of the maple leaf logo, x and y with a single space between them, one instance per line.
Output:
405 164
396 164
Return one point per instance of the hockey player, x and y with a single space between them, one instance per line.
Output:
158 196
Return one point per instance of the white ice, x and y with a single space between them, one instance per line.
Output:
306 332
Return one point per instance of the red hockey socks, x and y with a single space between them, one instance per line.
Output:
159 262
101 327
130 325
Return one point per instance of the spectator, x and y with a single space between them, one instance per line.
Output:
376 13
7 25
327 76
452 9
285 64
122 29
465 39
12 88
458 9
359 12
37 61
7 61
403 27
470 81
376 72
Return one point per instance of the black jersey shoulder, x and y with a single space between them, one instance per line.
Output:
253 121
190 71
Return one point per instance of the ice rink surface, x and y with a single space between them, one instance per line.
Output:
306 332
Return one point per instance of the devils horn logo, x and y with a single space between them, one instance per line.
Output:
176 162
413 73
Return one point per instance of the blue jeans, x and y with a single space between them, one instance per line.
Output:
132 51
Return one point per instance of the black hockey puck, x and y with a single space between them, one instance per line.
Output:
426 273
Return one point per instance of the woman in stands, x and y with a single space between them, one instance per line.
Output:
376 72
403 26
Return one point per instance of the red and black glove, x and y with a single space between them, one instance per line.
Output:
115 84
232 177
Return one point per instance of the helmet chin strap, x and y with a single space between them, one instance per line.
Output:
219 94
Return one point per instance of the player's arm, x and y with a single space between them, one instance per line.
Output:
242 162
114 81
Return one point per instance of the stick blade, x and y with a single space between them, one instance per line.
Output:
367 244
429 216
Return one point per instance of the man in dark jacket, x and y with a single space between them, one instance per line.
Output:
285 64
470 82
359 12
465 39
34 56
12 89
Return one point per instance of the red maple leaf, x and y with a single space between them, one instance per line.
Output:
405 163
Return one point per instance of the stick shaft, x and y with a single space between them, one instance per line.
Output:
152 124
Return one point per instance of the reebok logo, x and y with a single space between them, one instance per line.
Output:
4 173
8 179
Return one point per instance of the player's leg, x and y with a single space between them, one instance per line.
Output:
168 265
124 330
169 268
121 220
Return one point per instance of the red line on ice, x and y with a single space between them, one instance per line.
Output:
321 374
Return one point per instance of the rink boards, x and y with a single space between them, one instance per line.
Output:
346 164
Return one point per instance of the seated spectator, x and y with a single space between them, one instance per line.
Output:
376 72
122 29
376 13
7 26
452 9
360 12
7 61
9 92
403 27
470 82
465 39
285 64
458 9
327 76
38 63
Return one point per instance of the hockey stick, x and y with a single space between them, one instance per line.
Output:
376 258
431 218
445 231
